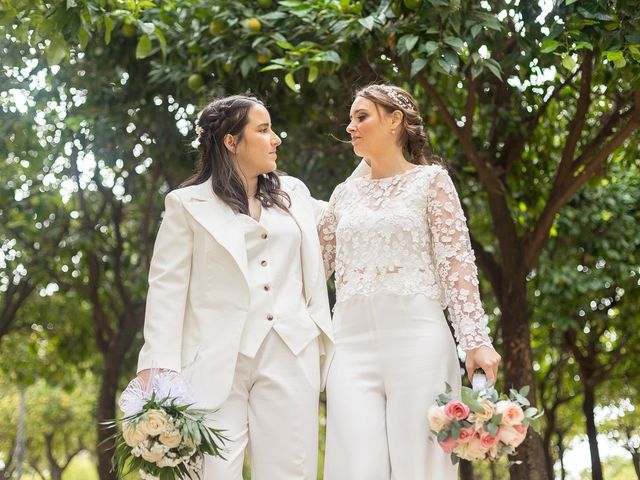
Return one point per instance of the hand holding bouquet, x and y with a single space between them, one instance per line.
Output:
480 423
160 435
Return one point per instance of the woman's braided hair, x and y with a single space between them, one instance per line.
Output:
413 136
222 116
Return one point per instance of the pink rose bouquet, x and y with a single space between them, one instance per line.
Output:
479 423
160 435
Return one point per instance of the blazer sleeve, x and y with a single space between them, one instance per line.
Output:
169 275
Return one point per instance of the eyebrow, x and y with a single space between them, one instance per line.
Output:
359 110
264 124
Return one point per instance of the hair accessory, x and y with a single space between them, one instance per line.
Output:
199 131
397 97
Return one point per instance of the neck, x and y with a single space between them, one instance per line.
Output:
250 185
388 164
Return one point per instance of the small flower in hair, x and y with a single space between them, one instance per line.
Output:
199 131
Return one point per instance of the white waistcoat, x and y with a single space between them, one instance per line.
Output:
275 283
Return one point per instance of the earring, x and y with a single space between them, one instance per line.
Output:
393 132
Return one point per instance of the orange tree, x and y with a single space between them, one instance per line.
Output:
527 105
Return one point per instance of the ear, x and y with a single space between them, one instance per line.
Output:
396 118
230 142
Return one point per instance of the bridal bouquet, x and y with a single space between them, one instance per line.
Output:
160 435
480 423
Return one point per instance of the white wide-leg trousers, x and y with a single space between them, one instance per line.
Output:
393 356
273 410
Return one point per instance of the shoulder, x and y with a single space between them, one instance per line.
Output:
293 184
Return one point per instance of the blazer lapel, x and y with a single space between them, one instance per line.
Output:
217 218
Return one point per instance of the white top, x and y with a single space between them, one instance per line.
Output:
405 234
275 283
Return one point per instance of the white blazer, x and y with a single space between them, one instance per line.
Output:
198 297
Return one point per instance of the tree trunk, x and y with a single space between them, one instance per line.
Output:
466 470
107 411
587 407
21 442
635 457
563 471
550 426
518 366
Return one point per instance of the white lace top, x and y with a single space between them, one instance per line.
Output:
405 234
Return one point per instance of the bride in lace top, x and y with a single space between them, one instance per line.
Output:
398 242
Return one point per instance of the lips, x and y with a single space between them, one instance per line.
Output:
353 139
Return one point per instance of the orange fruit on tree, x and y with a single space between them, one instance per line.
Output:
253 24
195 81
129 30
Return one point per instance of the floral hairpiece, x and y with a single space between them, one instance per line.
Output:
397 97
199 131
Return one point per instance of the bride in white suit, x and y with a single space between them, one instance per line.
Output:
237 298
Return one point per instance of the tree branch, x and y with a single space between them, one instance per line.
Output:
590 161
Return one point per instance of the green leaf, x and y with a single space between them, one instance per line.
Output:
568 62
475 30
494 67
332 56
366 22
313 74
455 42
83 38
147 27
283 44
71 4
587 45
549 45
108 28
161 41
407 42
143 50
417 65
56 50
446 68
290 81
430 47
613 55
620 63
476 70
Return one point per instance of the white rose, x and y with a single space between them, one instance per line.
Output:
154 454
155 421
134 433
437 418
171 438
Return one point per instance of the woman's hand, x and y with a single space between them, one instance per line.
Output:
484 358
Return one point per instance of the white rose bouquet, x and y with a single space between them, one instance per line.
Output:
160 435
481 424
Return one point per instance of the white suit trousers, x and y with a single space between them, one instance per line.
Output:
393 355
273 410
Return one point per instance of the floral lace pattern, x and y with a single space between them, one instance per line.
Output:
405 234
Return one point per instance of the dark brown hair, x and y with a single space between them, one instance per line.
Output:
222 116
413 137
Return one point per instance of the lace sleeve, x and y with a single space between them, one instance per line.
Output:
455 262
327 233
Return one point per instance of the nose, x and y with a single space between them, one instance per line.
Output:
351 128
275 139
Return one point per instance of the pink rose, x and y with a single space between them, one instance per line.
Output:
448 445
466 434
512 413
456 409
513 435
488 441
